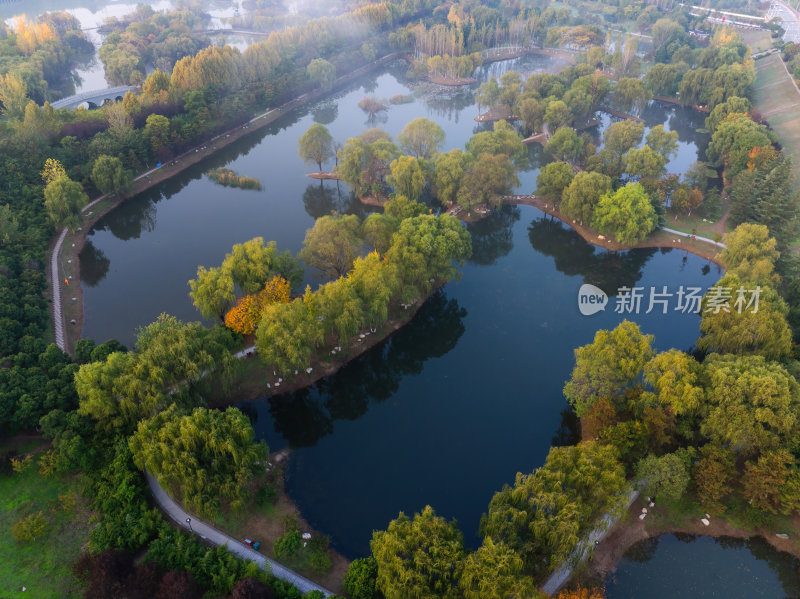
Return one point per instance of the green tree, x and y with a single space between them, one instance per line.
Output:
488 93
663 142
421 138
316 145
400 207
752 405
662 79
360 582
332 244
486 180
204 457
603 368
363 162
407 177
174 362
731 143
553 178
64 199
156 130
732 322
288 334
581 196
427 249
622 136
421 557
448 170
557 115
750 254
627 214
502 139
664 477
109 176
495 571
212 292
631 94
545 514
644 163
676 378
565 145
321 72
731 106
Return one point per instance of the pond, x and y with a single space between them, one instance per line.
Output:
453 405
127 282
690 567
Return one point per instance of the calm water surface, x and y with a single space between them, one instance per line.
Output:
453 405
689 566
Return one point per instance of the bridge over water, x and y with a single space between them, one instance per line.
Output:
96 97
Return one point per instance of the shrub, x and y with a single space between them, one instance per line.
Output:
29 527
359 582
289 544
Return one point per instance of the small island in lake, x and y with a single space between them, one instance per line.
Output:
228 178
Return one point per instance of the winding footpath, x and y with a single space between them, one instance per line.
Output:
215 537
719 244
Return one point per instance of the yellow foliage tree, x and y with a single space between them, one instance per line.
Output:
30 35
53 169
245 315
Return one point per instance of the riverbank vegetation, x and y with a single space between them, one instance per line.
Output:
146 38
729 411
228 178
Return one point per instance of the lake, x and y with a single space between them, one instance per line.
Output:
689 566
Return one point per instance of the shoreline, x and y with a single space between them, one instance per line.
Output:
630 530
65 253
660 238
255 381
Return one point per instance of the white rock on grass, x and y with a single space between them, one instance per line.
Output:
642 516
705 522
644 510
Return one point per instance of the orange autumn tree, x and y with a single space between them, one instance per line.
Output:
246 313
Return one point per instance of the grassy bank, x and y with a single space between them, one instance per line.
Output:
43 567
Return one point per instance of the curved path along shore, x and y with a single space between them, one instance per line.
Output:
560 577
719 244
216 537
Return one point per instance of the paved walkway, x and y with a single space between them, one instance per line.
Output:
216 537
697 237
560 577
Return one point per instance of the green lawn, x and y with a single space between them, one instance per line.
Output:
43 567
777 100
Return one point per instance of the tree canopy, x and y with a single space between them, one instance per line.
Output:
205 456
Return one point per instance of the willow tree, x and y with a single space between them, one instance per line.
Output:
421 556
316 145
605 367
204 457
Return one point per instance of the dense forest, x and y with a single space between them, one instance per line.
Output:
718 426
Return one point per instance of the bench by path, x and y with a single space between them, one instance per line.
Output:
216 537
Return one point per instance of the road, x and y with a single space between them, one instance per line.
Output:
215 537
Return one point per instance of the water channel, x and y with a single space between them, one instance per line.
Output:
453 405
